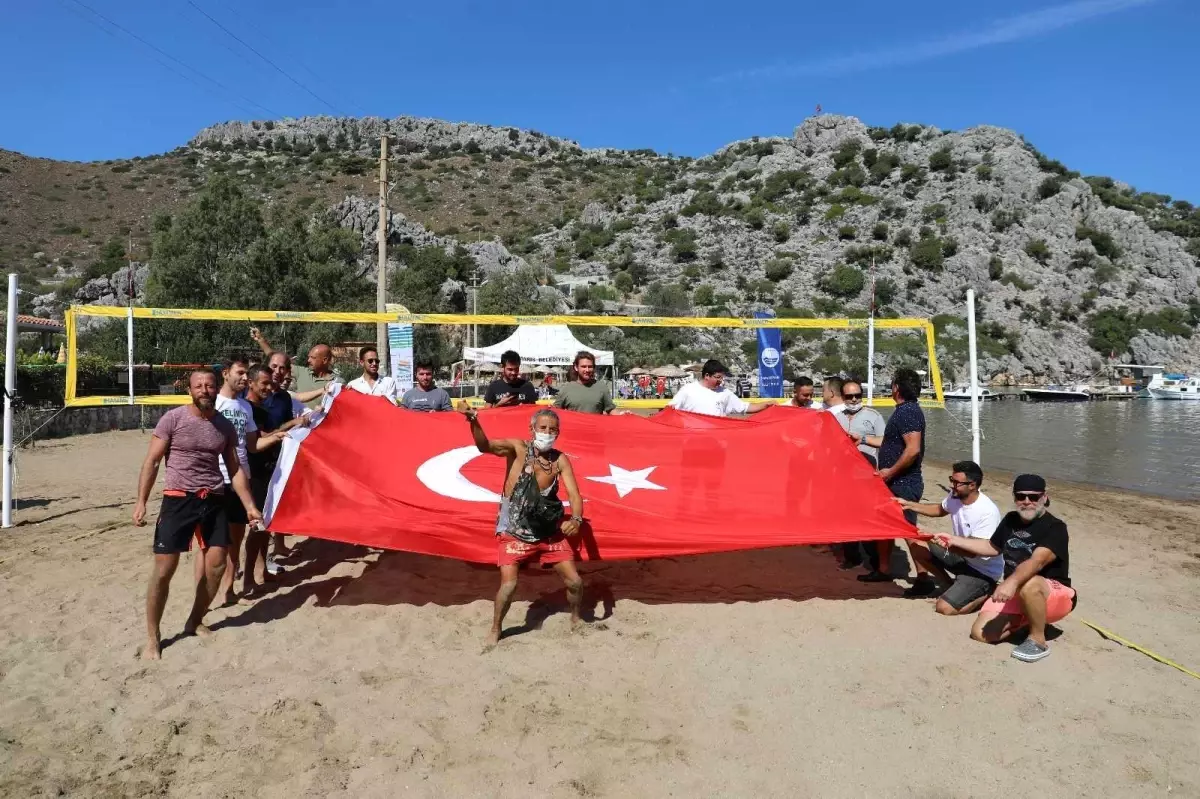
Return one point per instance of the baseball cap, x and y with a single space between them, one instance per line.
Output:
1034 483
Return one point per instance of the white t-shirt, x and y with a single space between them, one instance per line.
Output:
384 387
696 398
977 520
241 414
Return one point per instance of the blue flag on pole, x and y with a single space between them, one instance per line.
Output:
770 358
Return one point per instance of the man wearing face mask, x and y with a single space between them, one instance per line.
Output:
861 421
1036 589
529 528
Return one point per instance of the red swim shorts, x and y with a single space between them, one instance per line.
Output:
1060 602
513 550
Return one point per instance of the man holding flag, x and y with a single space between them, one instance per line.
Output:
530 527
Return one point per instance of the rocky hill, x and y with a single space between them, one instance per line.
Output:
1069 270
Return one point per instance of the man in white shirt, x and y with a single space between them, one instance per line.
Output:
831 398
972 515
370 383
704 397
238 411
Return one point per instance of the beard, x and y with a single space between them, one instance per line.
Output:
1029 514
203 403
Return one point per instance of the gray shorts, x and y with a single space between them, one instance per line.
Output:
969 585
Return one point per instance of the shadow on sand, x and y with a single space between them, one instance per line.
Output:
393 578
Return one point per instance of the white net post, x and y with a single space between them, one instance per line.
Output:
10 388
129 350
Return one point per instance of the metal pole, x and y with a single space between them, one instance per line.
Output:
974 376
129 349
10 388
871 340
381 342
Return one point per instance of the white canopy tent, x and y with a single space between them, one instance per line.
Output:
538 345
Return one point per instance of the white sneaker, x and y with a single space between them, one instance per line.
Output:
273 566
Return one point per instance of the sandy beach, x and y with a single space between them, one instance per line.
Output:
766 673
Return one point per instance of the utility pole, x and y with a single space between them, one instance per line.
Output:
475 327
381 341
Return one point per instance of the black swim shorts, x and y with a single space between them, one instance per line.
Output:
185 517
235 511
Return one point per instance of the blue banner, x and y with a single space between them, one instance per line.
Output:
770 358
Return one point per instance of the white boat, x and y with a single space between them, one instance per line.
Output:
1077 393
964 393
1187 389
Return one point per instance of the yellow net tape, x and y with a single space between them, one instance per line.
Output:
695 322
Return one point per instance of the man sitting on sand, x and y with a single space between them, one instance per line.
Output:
194 439
530 528
972 514
1036 589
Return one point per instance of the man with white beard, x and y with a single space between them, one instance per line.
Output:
1036 589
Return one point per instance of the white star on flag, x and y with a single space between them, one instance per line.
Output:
626 481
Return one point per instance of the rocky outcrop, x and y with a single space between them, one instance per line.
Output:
405 134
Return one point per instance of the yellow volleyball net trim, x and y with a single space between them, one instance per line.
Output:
72 400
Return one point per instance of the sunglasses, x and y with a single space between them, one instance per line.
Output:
372 360
849 397
954 482
1028 496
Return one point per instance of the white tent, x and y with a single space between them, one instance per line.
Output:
538 345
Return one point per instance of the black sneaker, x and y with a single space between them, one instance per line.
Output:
922 587
875 577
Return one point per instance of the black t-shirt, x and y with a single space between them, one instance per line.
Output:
262 464
1017 540
526 393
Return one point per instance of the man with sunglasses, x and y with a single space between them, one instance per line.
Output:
370 383
970 580
1036 589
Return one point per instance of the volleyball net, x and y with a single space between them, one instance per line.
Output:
154 353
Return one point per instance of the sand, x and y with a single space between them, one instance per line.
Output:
763 673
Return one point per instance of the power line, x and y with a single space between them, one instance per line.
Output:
277 68
167 55
285 48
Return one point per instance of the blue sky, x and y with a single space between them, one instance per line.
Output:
1106 86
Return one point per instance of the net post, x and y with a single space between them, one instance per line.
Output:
974 376
129 350
10 388
72 353
870 359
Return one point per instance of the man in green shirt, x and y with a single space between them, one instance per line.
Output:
586 395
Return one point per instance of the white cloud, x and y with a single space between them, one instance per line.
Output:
1001 31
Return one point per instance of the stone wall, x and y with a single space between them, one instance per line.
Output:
44 423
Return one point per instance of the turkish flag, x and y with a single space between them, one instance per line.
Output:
673 484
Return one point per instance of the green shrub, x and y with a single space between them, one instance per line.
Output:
777 269
940 160
834 213
995 267
913 173
781 232
755 219
934 213
852 175
1015 280
949 246
844 281
903 238
1049 187
927 254
847 233
704 202
1111 331
1102 241
880 231
1104 272
847 153
703 295
865 255
983 172
984 203
1002 220
885 291
1082 259
1038 250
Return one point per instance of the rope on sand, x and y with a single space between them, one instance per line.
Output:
105 529
1124 642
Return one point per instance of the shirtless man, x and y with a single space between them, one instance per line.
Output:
194 439
528 530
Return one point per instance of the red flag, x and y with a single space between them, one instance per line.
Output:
675 484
